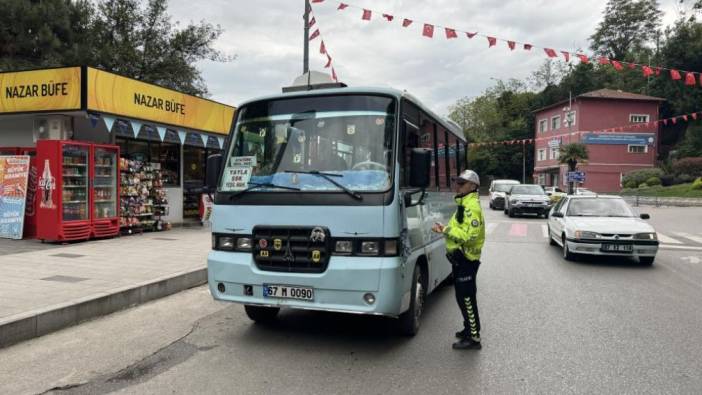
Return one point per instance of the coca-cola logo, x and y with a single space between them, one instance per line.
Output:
47 183
31 191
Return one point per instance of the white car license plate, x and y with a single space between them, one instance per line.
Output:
287 292
617 247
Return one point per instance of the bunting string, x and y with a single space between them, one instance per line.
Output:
690 78
323 50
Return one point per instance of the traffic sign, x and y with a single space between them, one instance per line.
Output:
576 176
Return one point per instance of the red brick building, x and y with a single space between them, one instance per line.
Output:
612 154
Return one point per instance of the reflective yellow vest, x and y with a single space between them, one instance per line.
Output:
469 235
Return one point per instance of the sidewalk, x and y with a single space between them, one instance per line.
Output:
45 287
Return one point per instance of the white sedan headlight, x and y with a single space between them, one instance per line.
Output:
582 234
646 236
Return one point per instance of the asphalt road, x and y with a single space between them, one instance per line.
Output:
549 326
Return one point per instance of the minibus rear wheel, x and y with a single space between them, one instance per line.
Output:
261 314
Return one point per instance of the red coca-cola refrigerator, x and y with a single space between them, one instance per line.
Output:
104 193
78 190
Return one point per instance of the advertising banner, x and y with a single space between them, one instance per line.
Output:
40 90
619 139
122 96
14 172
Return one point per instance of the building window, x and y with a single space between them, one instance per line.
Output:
638 149
555 122
542 154
555 153
543 125
638 118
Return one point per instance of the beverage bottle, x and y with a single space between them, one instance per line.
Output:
47 183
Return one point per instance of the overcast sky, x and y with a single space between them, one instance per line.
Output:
267 38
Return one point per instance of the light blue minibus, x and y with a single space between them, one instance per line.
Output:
324 200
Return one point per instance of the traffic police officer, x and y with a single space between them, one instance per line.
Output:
465 235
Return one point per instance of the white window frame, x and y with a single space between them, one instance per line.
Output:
554 152
541 154
567 115
639 118
543 125
645 148
555 122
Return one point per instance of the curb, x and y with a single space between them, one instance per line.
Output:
28 325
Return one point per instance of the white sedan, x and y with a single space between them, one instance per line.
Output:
601 225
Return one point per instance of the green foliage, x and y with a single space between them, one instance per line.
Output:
643 186
697 185
653 181
688 166
627 25
130 37
572 154
682 190
636 178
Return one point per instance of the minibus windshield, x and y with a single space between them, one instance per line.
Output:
284 142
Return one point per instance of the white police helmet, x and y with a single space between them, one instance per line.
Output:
469 175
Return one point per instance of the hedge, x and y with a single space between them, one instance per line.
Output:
688 166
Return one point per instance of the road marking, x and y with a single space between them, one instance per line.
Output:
691 259
694 238
490 227
544 230
519 230
674 247
668 240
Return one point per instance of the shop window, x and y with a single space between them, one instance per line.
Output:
194 170
168 154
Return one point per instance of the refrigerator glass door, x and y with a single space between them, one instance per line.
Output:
75 176
105 183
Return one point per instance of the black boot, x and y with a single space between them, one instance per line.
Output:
461 334
467 343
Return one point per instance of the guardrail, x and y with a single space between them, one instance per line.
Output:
656 201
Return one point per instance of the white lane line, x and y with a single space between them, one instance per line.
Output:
544 230
696 239
668 240
673 247
490 227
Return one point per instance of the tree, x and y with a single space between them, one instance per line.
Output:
628 25
572 154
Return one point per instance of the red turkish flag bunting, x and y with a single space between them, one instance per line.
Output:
491 41
450 33
322 48
658 71
366 15
618 66
314 35
583 58
329 61
388 17
675 120
647 71
428 30
471 35
685 117
566 55
603 60
550 53
406 22
342 6
690 79
511 45
674 74
632 66
312 22
334 75
665 122
317 1
694 115
527 47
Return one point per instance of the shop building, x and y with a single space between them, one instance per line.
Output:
633 146
149 123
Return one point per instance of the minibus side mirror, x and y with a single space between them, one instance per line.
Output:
420 168
214 168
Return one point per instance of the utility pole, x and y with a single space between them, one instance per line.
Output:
306 56
524 162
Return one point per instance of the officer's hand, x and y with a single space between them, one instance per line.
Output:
438 228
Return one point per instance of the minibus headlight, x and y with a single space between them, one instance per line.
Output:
243 243
225 243
370 248
343 247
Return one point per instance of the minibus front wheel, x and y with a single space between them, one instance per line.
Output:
409 320
261 314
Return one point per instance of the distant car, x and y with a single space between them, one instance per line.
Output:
527 199
601 225
550 191
498 190
584 191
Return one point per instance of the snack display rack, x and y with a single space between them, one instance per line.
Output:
143 202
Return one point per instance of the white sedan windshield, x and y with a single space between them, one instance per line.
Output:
599 208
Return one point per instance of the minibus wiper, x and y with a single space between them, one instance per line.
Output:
255 185
328 177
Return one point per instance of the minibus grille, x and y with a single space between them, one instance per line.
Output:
291 249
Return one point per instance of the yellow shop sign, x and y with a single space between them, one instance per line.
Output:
40 90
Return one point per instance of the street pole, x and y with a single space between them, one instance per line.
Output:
306 55
524 162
